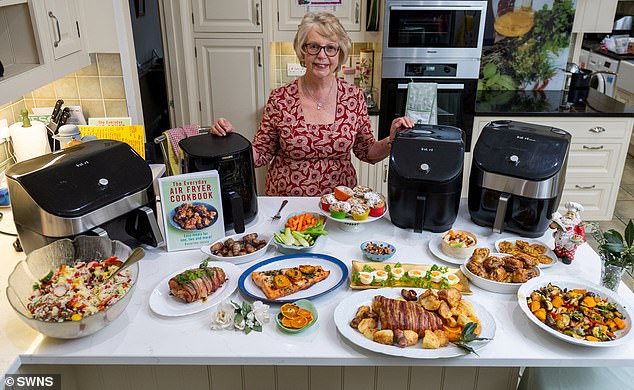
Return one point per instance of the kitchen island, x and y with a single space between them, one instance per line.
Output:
141 344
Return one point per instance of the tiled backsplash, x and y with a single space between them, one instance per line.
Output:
282 53
97 88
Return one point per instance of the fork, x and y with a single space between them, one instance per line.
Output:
278 216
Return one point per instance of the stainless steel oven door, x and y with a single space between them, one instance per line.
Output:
451 29
455 101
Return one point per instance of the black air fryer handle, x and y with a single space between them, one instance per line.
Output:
419 218
236 211
500 214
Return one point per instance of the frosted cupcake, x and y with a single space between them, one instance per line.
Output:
360 212
360 191
376 203
340 210
327 200
353 201
343 192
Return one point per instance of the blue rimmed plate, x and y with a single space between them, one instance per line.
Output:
338 274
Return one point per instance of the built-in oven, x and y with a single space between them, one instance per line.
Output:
443 28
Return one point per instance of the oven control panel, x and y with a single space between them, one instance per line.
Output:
434 70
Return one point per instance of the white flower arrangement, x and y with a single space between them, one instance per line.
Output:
246 317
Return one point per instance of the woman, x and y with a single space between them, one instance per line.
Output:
310 125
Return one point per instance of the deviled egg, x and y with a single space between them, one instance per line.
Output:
436 276
451 278
398 272
380 275
416 273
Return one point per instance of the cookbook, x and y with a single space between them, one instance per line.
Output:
191 206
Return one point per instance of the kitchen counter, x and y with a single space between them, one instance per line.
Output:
596 47
548 103
139 336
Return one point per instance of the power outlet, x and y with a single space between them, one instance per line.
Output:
295 70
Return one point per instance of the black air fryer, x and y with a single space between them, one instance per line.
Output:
517 176
232 157
425 178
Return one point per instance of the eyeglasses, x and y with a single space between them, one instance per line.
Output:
314 49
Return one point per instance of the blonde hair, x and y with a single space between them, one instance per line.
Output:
327 25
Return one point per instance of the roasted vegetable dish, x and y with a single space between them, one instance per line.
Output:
577 313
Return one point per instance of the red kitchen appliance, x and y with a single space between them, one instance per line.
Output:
517 176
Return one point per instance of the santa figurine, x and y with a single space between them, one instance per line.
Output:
569 232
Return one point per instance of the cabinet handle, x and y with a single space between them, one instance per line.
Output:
259 56
59 32
597 129
593 147
384 173
257 14
585 187
356 12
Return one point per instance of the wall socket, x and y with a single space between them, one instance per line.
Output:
295 70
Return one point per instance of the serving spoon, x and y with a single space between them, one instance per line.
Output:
137 254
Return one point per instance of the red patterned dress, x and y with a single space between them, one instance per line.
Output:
311 159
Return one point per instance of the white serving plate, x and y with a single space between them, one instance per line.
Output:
623 336
549 252
490 285
239 259
347 309
435 246
161 302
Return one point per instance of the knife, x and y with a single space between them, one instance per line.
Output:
63 118
52 123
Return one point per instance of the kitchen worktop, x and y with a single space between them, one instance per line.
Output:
139 336
597 48
548 103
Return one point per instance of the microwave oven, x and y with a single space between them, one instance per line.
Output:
438 28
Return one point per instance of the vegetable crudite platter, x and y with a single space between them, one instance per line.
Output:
353 207
300 232
373 275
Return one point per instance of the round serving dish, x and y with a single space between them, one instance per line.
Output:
374 256
304 304
491 285
242 258
289 249
39 262
458 252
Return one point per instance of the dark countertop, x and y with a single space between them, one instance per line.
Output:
596 47
548 103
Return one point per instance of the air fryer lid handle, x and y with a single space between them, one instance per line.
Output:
76 181
521 150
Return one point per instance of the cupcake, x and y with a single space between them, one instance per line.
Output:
360 212
360 191
353 201
376 203
327 200
343 192
340 210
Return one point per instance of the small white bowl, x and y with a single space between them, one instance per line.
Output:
238 259
458 252
491 285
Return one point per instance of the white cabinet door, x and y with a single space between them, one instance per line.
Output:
594 16
290 14
227 16
231 85
64 27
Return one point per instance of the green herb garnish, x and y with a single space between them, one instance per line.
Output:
48 277
367 268
468 335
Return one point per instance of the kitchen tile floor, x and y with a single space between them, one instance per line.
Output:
624 210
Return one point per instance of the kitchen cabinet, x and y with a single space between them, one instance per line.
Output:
595 160
594 16
40 41
223 16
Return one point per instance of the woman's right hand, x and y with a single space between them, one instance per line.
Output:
222 127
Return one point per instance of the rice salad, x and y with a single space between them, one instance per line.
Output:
71 293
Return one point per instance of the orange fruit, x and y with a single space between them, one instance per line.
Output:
287 322
289 310
305 313
299 322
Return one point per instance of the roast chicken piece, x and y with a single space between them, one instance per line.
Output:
512 264
523 275
492 263
480 254
528 260
499 274
477 269
405 315
196 284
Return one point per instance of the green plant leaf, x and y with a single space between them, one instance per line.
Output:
613 237
629 233
489 70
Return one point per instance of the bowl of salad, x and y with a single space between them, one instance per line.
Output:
60 289
458 244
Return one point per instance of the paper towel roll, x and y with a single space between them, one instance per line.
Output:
29 142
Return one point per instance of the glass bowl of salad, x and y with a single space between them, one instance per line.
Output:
59 289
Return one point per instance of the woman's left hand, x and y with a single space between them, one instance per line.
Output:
398 123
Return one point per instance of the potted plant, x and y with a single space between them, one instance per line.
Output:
617 253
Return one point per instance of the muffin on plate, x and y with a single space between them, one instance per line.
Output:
343 192
340 210
353 201
326 201
360 212
360 191
376 203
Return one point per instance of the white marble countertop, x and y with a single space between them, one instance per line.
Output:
141 337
